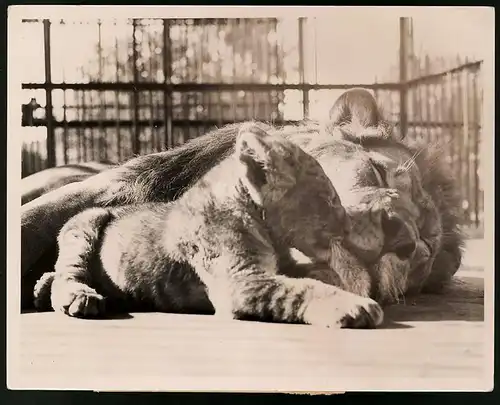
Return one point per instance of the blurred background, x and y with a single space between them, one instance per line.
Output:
108 89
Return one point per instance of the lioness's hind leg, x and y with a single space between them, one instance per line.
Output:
71 290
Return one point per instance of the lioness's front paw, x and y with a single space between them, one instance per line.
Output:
345 310
77 300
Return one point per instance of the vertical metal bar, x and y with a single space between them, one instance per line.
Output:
152 138
476 140
465 139
27 160
404 23
415 93
185 95
459 134
305 92
136 144
65 130
51 146
93 141
248 98
234 94
260 62
453 122
444 114
39 164
24 161
117 101
79 116
82 122
167 75
33 151
200 113
220 25
102 132
421 100
427 95
207 95
252 26
279 72
267 56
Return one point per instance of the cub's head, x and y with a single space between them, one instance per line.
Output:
301 206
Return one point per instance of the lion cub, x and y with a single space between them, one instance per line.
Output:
218 248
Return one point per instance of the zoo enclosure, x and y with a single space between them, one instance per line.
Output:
170 80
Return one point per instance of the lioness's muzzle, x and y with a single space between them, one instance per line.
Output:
399 237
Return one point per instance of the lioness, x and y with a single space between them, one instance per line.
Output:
221 243
37 184
429 206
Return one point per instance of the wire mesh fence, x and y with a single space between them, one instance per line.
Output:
140 86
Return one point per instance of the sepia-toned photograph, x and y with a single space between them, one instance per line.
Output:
250 199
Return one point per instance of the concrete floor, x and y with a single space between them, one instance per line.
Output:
436 342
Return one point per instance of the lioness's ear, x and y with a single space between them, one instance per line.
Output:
357 110
253 150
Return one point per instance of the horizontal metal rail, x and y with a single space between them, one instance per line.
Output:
444 124
145 123
201 87
110 123
179 21
471 66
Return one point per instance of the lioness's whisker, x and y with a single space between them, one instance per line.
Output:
411 161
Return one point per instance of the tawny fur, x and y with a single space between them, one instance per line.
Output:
222 245
356 168
37 184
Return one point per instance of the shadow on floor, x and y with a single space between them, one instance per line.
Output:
461 301
107 317
390 324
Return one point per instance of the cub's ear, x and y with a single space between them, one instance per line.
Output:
254 151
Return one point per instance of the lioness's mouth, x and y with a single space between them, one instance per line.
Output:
367 256
404 250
